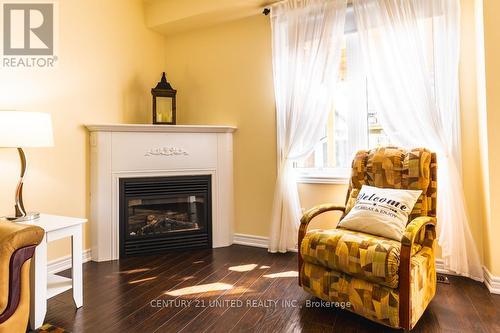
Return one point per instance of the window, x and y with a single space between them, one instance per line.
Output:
352 125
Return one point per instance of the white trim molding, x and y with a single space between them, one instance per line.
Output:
251 240
491 281
322 179
440 267
161 128
63 263
338 176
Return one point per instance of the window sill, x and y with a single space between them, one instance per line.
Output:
310 178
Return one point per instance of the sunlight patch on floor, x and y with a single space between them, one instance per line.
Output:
282 275
133 271
201 288
264 267
243 268
185 278
142 280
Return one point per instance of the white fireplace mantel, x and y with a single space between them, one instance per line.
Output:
161 128
119 151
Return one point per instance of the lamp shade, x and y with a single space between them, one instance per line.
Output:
20 129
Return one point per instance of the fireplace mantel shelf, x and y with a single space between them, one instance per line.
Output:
161 128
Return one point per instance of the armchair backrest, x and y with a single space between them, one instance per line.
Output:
392 167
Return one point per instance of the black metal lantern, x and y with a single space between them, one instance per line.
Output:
163 102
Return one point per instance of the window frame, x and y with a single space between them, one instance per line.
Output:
334 176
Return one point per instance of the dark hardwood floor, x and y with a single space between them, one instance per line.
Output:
238 289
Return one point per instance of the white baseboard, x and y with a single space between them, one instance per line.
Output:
251 240
255 241
62 263
492 282
440 267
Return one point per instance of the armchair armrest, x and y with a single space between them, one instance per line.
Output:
409 238
17 245
414 228
317 210
312 213
307 218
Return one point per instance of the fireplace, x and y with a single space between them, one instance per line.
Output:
122 152
159 214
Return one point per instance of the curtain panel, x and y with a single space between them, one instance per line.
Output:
411 50
306 46
411 53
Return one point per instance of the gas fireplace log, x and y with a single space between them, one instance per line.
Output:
164 224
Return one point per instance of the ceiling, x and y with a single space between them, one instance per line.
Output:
174 16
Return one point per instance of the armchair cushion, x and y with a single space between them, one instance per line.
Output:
373 258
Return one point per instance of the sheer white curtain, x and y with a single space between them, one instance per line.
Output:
306 41
411 50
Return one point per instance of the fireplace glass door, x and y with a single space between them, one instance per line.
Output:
164 213
158 216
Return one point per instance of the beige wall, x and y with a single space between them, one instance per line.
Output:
108 61
224 75
471 168
311 195
490 131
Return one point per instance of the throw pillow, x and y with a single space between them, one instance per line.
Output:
381 211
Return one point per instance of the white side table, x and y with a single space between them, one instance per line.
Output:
45 286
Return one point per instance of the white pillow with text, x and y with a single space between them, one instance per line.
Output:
381 211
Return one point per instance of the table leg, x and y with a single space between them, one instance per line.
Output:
38 285
77 253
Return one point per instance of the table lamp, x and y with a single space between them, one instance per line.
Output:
24 130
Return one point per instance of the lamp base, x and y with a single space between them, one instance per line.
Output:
31 216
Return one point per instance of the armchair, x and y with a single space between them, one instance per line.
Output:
17 245
384 280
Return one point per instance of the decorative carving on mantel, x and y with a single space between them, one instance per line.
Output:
166 151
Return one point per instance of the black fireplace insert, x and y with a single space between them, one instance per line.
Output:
160 214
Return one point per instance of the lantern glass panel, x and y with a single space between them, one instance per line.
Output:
164 109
